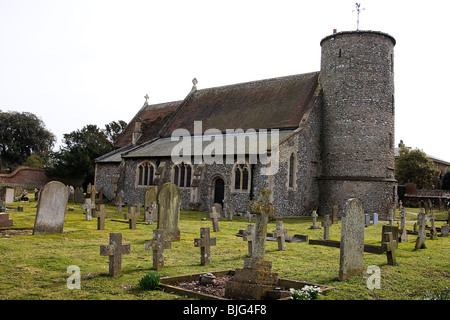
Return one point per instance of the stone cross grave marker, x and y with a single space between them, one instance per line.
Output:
314 215
352 240
326 224
335 214
169 199
157 245
263 210
215 217
279 233
51 209
389 246
100 214
93 193
115 250
403 233
421 233
88 207
132 216
205 242
249 236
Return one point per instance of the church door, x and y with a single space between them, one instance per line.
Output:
219 188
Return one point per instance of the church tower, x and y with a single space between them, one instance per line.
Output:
357 79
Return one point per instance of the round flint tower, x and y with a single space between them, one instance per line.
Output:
357 78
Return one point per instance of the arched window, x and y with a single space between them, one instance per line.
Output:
241 176
182 174
292 172
145 173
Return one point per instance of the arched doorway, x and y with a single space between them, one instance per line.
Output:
219 190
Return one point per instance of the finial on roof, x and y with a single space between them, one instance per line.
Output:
194 81
146 97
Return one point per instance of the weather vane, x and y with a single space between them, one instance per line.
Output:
358 10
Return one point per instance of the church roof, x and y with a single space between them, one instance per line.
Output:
152 117
277 103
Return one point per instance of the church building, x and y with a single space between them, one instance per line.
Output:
314 139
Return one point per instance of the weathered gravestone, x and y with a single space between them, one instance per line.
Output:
403 233
335 214
326 224
256 278
314 215
9 196
421 236
100 214
51 209
205 242
433 231
389 245
150 207
88 207
79 195
132 216
169 199
279 234
249 236
215 216
5 221
352 240
157 245
115 250
445 230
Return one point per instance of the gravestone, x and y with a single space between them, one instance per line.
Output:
100 214
403 233
249 235
115 250
5 221
335 214
391 217
391 229
279 234
9 196
205 242
314 215
157 245
445 230
79 195
88 206
119 202
421 222
71 195
367 220
149 204
132 216
375 219
326 224
389 246
51 209
152 213
433 231
169 199
352 240
215 216
256 278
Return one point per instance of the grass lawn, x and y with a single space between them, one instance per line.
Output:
35 266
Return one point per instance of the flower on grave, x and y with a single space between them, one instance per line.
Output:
305 293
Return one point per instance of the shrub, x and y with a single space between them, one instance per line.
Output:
150 281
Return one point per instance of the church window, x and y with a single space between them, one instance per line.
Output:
241 177
182 174
145 173
291 172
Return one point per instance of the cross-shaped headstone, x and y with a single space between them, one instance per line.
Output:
249 236
214 215
100 214
314 215
389 246
263 209
132 216
93 192
326 224
205 242
279 233
115 250
88 206
157 245
421 233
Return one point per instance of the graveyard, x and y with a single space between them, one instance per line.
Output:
34 266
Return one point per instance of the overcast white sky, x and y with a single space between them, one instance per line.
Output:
79 62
